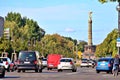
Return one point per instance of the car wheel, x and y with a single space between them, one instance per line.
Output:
8 69
2 75
40 70
36 70
18 71
59 70
23 70
74 70
97 71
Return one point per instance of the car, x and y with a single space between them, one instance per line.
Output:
104 65
53 60
92 63
29 60
6 62
67 64
2 71
84 63
44 62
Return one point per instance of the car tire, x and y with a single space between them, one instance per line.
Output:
18 71
36 70
97 71
74 70
23 70
40 70
2 75
59 70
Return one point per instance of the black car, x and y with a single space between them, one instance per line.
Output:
2 71
29 60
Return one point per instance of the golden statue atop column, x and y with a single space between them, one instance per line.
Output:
90 28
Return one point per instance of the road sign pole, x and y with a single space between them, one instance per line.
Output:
118 9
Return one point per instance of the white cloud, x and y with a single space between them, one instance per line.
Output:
69 30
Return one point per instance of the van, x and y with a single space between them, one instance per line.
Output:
53 60
29 60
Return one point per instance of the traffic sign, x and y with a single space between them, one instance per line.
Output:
1 26
118 42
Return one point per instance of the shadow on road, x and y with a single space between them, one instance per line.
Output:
12 77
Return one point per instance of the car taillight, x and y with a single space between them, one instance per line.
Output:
109 65
6 63
96 64
71 62
17 62
11 64
35 62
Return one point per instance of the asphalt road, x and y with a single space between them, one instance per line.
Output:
81 74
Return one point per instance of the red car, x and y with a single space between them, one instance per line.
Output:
53 60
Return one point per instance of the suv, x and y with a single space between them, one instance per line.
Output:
67 64
29 60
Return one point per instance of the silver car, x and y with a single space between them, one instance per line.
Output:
44 62
6 62
67 64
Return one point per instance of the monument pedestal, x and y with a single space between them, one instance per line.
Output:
89 52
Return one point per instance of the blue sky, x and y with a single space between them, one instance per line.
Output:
67 17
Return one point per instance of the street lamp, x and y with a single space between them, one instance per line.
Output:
118 9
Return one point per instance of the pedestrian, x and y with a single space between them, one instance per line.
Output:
116 64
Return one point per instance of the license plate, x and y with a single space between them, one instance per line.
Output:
26 62
102 64
50 65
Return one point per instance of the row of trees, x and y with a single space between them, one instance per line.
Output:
26 34
22 31
108 46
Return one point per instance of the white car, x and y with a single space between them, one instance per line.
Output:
84 64
6 62
67 64
44 62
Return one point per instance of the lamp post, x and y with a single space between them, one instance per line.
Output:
118 9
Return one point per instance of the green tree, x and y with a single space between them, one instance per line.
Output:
81 46
56 44
105 1
22 31
108 47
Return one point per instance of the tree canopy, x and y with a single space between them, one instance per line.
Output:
108 47
105 1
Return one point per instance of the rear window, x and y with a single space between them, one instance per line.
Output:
65 60
44 59
103 60
3 59
84 62
27 55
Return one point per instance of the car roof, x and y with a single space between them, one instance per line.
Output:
106 58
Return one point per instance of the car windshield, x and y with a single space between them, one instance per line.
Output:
27 55
65 60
